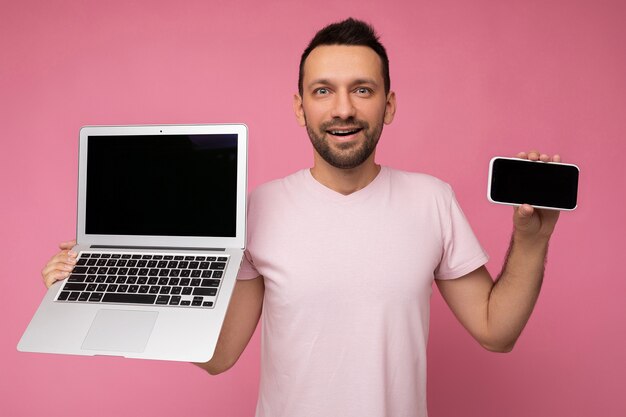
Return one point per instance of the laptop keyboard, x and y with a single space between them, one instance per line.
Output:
154 279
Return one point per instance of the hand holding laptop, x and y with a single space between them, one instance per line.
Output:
60 265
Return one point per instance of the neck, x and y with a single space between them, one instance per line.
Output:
345 181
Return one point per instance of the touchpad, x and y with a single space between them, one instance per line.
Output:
120 330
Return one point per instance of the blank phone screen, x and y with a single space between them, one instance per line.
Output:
535 183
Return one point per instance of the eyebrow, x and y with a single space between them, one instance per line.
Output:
358 81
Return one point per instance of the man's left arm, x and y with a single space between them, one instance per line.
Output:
495 313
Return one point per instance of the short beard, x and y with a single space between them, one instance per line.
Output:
355 154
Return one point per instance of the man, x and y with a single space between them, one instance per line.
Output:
341 258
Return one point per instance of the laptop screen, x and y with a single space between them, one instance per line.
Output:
165 185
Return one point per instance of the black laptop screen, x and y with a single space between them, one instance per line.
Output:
174 185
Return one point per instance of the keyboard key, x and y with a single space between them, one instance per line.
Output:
63 296
210 283
133 288
176 290
204 265
154 290
207 304
178 258
122 288
207 273
73 296
153 280
90 278
126 256
157 256
101 288
197 301
110 279
91 287
218 265
185 303
185 273
187 291
218 274
70 286
222 259
165 290
116 255
175 300
101 278
76 278
80 270
129 298
120 280
146 257
185 281
168 257
163 299
204 291
195 273
84 296
96 296
164 272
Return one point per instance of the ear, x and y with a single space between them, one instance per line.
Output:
390 107
298 110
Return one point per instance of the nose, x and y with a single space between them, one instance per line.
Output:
343 107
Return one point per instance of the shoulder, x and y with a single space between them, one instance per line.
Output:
276 189
419 183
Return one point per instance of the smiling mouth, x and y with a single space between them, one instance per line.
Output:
344 132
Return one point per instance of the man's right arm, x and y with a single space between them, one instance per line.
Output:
240 322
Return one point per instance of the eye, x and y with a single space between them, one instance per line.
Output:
320 91
363 91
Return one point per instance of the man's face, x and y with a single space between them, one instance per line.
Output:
343 104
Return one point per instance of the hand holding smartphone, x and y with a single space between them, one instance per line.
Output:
546 185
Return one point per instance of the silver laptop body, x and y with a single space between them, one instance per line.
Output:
157 196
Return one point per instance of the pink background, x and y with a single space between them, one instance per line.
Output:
473 79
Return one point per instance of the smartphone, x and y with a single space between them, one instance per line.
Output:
548 185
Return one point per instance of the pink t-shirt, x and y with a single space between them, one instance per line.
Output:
348 281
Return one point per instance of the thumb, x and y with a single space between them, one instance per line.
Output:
67 245
523 215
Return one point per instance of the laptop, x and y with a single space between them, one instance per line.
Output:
160 236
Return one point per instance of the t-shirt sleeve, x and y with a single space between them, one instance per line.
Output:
247 269
462 253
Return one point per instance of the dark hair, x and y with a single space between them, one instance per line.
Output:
348 32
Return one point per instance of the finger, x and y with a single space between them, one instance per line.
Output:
54 276
68 244
522 155
544 157
533 155
525 211
57 266
556 158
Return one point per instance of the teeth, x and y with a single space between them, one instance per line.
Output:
343 132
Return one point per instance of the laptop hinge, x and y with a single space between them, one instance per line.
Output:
178 248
